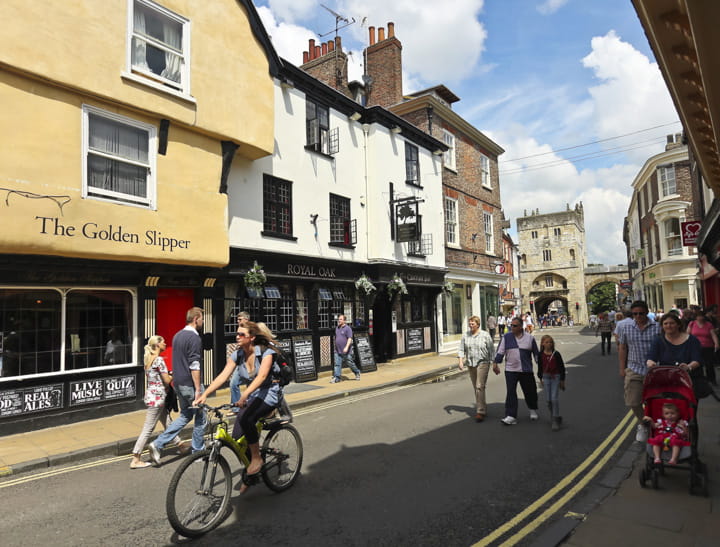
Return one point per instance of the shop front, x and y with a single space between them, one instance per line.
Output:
302 297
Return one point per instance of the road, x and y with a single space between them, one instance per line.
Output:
406 467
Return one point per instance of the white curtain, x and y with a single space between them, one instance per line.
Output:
139 56
172 36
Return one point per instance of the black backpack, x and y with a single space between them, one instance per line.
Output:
282 370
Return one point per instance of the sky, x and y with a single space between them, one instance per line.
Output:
569 88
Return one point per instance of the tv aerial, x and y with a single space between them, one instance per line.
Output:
338 19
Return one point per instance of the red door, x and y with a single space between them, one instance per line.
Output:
172 307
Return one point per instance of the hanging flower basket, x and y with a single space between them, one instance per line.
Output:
364 285
255 277
448 287
396 286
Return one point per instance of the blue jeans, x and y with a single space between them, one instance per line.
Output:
344 359
551 385
235 388
186 395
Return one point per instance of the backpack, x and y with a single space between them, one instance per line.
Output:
282 369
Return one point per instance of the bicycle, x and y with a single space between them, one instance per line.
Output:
200 489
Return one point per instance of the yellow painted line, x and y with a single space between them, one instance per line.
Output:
516 520
62 471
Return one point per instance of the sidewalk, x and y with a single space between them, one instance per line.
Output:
116 435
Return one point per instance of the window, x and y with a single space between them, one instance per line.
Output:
449 155
160 46
119 156
412 165
342 229
557 232
672 237
666 176
534 234
485 171
272 293
548 280
97 330
451 222
277 206
641 204
423 247
489 232
317 125
547 255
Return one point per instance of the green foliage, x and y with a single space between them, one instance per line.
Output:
602 297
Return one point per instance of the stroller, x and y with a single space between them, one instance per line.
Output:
670 384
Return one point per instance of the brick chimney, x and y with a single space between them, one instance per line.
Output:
383 63
328 63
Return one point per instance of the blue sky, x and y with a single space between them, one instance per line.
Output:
537 76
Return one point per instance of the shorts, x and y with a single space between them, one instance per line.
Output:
633 388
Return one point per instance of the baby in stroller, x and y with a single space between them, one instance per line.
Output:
668 432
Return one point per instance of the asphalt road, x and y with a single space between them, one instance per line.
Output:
408 467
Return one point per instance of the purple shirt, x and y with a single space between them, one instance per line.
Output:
342 335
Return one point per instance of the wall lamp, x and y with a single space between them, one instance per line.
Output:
396 129
355 116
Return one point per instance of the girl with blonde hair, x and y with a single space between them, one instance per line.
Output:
158 378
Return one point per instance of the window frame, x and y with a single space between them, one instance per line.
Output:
326 142
664 181
278 207
489 230
335 206
547 255
485 179
455 223
412 162
449 155
676 250
146 76
150 199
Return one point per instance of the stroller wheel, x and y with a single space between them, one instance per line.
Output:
655 474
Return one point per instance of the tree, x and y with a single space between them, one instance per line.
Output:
603 297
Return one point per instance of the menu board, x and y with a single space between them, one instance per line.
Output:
102 389
14 402
304 358
366 359
414 340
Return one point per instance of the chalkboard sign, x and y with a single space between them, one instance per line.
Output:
365 358
286 347
14 402
304 358
414 340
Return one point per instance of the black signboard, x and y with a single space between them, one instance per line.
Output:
286 347
407 225
14 402
92 391
304 358
366 360
414 340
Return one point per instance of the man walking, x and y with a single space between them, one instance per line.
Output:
634 341
605 328
343 350
518 348
187 362
476 351
491 325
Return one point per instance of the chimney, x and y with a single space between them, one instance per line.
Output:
383 63
328 63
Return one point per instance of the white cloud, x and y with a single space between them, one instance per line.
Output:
293 10
551 6
288 40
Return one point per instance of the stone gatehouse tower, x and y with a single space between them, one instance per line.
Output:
552 262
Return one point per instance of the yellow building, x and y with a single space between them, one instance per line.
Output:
119 126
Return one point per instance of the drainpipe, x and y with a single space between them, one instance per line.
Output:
366 131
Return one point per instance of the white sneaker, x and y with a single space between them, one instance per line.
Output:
509 420
642 434
154 453
533 415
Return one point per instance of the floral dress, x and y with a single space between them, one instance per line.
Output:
155 392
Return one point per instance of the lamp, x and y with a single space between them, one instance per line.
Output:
355 116
396 129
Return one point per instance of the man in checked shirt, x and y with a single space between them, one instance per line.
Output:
476 351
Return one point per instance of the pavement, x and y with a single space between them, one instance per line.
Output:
613 510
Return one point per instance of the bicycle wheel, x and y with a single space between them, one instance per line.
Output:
198 494
282 453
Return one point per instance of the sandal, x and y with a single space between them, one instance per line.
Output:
141 465
250 479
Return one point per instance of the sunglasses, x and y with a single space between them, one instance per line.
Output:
242 335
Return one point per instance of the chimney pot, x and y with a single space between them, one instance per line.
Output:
324 48
381 34
338 43
391 30
306 57
318 49
331 46
372 35
311 48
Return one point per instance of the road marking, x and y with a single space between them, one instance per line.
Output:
56 472
623 429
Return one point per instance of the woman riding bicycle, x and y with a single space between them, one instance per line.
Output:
262 395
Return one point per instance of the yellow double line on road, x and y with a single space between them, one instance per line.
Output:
61 471
607 449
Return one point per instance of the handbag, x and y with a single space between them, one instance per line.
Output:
171 402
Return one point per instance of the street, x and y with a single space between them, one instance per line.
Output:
403 467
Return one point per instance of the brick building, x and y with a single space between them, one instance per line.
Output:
664 272
472 212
